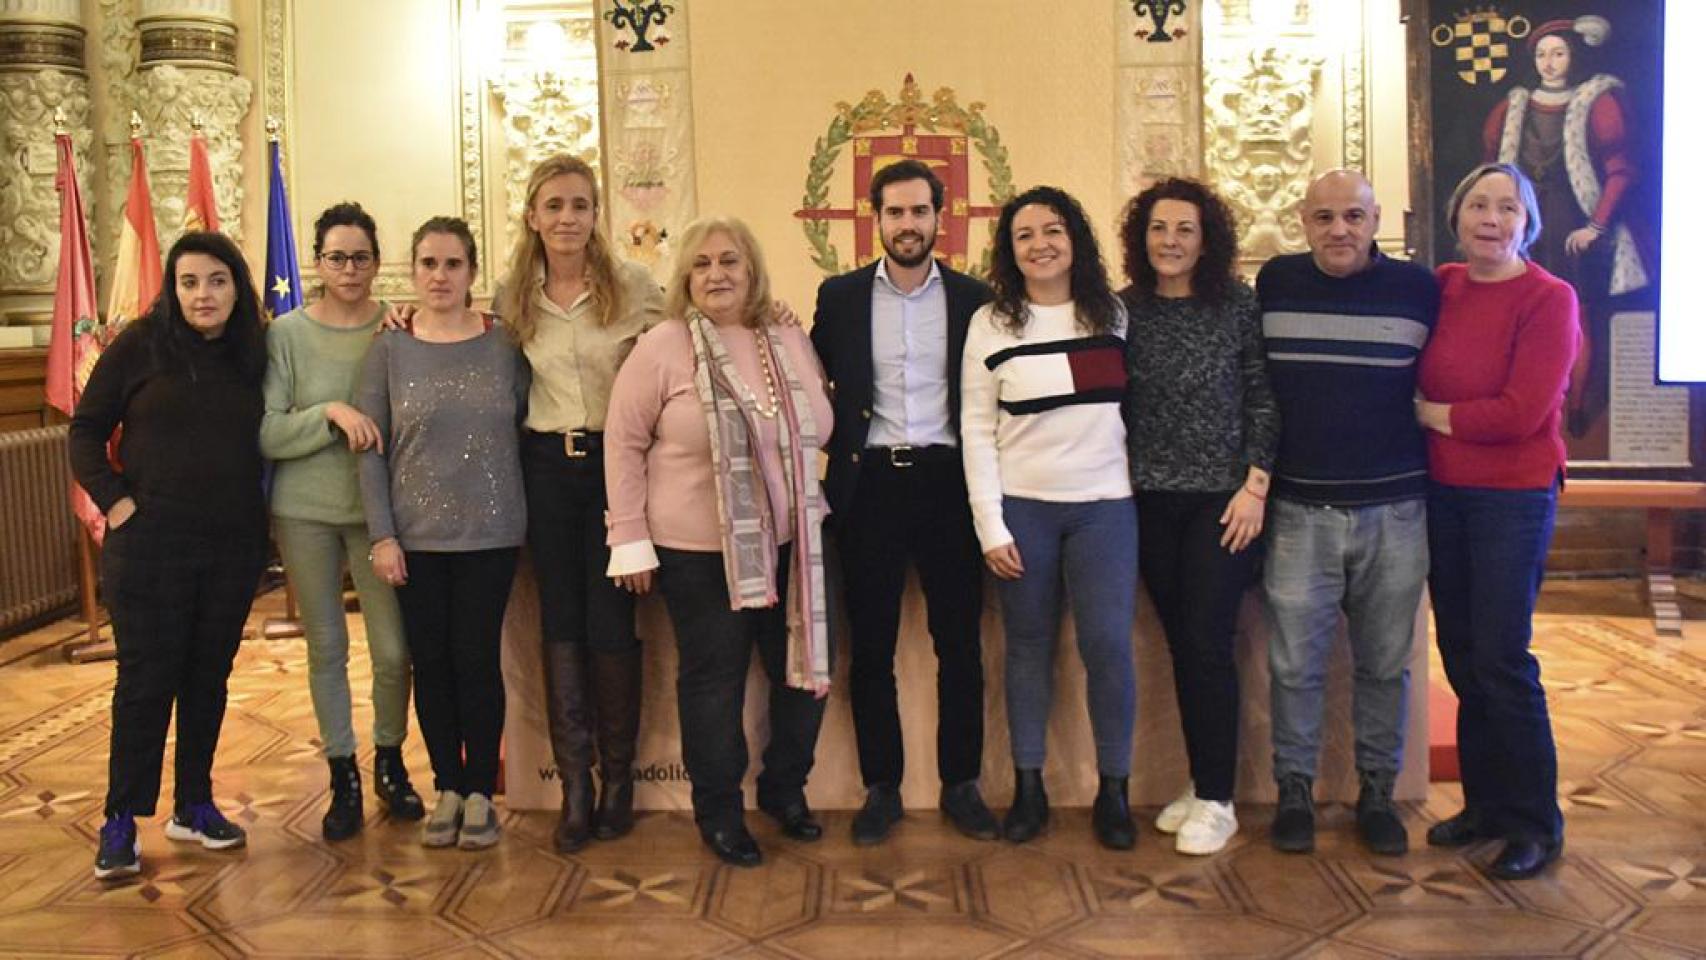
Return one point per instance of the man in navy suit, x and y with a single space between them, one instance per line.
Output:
890 336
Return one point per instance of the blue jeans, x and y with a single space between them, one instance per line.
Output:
1370 562
1093 545
1488 557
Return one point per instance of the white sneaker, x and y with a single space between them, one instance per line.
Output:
1207 829
439 830
1174 814
479 823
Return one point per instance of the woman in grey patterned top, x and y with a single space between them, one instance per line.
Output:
446 515
1203 428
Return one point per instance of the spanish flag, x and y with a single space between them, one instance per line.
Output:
201 211
136 276
78 334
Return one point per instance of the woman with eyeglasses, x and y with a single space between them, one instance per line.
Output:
312 432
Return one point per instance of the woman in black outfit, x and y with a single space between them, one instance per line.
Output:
1203 427
186 532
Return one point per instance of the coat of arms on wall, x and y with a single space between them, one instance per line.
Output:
938 132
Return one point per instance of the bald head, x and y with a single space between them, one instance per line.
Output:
1340 218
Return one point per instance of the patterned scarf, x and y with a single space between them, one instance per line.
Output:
743 503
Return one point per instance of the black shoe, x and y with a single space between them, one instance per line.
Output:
1458 831
615 814
882 810
734 846
795 819
1377 819
1028 815
963 805
1521 859
391 783
120 854
1111 816
1293 829
574 822
343 817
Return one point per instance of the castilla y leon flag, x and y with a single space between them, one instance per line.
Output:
136 276
77 334
201 211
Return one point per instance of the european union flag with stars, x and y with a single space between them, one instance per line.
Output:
282 281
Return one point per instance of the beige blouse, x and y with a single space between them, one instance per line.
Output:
575 359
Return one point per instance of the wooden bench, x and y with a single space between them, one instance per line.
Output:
1661 499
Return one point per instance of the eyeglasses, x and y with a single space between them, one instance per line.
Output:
338 260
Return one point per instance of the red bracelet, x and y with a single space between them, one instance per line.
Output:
1259 496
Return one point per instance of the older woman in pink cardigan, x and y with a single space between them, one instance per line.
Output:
711 448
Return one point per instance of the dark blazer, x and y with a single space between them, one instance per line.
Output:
841 333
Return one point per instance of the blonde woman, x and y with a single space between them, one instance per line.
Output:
576 311
714 430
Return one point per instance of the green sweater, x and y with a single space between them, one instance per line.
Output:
310 365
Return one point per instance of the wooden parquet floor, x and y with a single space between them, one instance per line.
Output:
1630 713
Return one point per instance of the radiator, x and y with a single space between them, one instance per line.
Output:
38 534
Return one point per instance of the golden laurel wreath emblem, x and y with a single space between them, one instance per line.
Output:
859 123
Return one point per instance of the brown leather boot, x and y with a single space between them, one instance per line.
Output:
567 710
616 698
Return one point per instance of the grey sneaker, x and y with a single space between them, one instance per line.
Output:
479 823
439 830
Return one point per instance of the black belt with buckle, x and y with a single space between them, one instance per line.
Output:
905 456
576 444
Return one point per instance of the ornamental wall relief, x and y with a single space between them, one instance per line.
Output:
1259 113
29 202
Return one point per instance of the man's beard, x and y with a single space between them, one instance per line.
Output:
927 245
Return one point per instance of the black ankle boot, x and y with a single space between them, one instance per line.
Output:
391 783
343 818
1029 813
1111 816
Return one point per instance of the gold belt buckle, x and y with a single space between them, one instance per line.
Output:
569 448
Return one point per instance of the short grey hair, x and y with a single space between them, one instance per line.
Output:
1524 192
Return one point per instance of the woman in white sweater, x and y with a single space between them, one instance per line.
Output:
1045 457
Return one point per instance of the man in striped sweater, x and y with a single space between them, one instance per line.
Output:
1344 326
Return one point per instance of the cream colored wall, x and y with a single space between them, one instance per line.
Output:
374 117
767 76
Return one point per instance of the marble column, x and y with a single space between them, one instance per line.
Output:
41 71
187 75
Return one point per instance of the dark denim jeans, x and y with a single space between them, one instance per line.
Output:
715 645
1488 555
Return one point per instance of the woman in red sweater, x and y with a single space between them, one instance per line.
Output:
1492 382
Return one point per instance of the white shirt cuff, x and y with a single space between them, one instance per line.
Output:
635 557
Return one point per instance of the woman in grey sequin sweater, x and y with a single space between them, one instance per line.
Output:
446 515
1203 428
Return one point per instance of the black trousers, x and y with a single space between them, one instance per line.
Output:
1197 587
715 646
920 516
565 535
178 601
453 612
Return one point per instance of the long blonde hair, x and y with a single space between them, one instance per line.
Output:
515 304
678 296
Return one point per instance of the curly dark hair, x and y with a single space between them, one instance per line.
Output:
1216 273
1092 297
169 335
